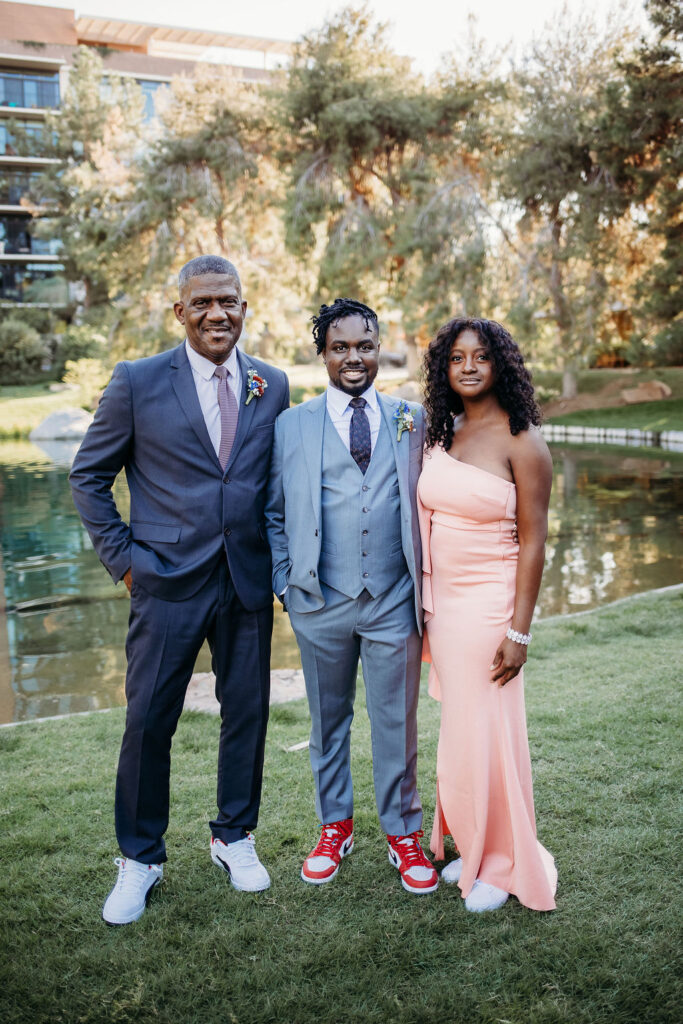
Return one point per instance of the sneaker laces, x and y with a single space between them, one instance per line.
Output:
328 844
243 852
131 875
411 851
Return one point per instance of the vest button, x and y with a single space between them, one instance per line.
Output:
365 509
365 533
365 554
365 487
311 572
365 575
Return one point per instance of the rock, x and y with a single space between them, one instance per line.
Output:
410 390
65 425
648 391
285 684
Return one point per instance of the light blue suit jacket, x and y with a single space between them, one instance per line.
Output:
293 508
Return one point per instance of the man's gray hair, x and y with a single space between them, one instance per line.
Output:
207 265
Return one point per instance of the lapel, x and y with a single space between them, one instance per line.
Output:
246 412
183 384
312 429
401 448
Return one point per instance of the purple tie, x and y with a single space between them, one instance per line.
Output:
359 434
227 404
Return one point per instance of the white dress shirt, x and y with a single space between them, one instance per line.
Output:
340 412
207 388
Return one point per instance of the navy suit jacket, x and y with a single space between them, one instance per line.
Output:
184 510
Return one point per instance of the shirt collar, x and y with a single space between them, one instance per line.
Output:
204 367
339 400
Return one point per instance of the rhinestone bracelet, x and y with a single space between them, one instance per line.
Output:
519 638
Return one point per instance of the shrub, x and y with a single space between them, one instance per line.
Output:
22 352
90 376
77 342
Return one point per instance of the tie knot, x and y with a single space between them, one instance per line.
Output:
221 372
358 403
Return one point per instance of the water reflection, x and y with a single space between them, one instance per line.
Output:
614 530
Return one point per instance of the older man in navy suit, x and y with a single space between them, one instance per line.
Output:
342 524
193 429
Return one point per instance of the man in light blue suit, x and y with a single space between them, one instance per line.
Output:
193 429
342 525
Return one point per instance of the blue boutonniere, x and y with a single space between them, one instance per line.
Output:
256 385
404 419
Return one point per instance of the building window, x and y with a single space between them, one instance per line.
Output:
15 184
8 146
29 89
16 236
149 91
33 283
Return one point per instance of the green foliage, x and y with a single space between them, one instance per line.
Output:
22 352
604 727
80 341
90 376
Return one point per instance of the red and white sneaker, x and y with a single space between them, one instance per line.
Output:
418 874
322 863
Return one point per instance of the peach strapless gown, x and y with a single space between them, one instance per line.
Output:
484 789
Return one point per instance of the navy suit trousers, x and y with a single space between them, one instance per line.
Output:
164 639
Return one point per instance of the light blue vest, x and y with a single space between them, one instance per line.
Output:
361 518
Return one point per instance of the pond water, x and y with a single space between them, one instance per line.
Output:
615 529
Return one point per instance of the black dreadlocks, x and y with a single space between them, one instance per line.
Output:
340 308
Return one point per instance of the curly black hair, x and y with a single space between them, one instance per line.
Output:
512 386
339 309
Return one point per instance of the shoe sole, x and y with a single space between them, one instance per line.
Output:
423 890
136 916
328 878
240 888
484 910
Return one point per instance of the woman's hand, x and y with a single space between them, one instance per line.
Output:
507 661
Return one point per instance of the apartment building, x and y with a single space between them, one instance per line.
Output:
37 45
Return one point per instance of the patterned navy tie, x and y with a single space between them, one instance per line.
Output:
359 434
227 404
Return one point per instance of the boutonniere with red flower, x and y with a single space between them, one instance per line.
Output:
256 385
404 419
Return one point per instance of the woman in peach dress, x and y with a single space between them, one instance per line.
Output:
487 467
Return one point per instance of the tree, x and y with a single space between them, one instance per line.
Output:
550 170
642 142
362 142
95 137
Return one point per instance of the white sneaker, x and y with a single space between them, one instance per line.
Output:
240 860
451 873
485 897
127 900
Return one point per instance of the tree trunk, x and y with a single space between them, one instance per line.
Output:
569 381
412 357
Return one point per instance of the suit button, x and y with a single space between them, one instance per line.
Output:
365 575
365 554
227 531
311 572
365 533
365 509
316 533
226 479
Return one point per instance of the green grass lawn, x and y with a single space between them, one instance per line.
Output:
664 415
23 407
593 381
603 709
